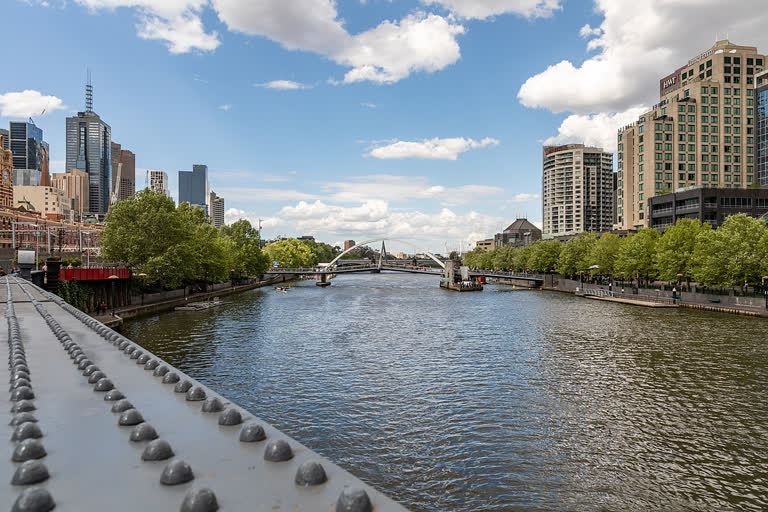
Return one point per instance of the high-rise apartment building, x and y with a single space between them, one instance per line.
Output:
6 172
30 151
701 133
124 164
761 126
577 189
194 188
89 150
157 181
217 210
74 186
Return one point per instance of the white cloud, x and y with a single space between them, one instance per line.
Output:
524 198
235 214
182 33
376 219
636 44
28 103
594 130
262 194
433 149
225 107
367 104
482 9
283 85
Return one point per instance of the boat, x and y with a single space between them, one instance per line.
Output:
200 306
283 289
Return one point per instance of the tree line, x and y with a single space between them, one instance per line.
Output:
732 255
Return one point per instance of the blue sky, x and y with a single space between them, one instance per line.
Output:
423 120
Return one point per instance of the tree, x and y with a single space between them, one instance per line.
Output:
543 256
733 254
636 253
674 251
604 254
245 246
289 253
574 256
321 252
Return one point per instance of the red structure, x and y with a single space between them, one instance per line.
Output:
93 274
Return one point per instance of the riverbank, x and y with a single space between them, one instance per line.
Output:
121 314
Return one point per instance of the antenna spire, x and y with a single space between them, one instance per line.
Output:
89 93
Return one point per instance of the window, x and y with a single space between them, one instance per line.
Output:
750 61
737 60
709 72
681 176
727 60
705 177
691 108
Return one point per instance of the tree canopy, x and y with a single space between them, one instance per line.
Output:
290 253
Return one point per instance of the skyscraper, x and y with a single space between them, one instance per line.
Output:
127 172
30 152
217 210
701 133
577 189
157 181
194 188
761 125
89 149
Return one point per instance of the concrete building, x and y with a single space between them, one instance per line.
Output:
89 150
74 185
217 210
48 201
710 205
520 233
701 133
6 144
158 182
30 153
127 171
577 189
348 244
194 188
761 126
6 172
486 245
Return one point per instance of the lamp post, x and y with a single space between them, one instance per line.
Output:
143 283
112 278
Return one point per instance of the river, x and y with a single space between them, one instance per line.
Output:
501 400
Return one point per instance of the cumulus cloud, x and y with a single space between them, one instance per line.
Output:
482 9
524 198
636 44
432 149
235 214
283 85
386 53
28 103
595 129
376 219
262 194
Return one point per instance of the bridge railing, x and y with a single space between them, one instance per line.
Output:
502 273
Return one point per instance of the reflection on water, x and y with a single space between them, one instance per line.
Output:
499 400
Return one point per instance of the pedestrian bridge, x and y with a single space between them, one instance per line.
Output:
97 422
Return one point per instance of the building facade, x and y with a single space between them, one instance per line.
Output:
761 125
348 244
6 173
710 205
124 164
577 190
520 233
158 182
89 150
30 152
48 201
194 188
217 210
486 245
701 133
74 185
6 144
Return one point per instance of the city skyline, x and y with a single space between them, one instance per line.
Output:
315 138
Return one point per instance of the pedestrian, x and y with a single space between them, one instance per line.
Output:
103 307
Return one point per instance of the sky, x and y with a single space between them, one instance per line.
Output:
420 120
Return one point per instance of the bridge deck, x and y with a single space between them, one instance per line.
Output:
90 461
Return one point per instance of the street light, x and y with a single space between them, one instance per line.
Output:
112 278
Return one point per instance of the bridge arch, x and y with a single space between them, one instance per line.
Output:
432 256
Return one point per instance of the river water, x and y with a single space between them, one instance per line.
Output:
496 400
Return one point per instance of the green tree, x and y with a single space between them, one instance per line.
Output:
674 250
244 241
636 254
321 252
733 254
604 254
574 256
289 253
543 256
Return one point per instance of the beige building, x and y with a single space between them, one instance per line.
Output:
74 185
577 189
217 210
127 172
50 202
158 182
6 172
701 133
486 245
